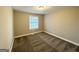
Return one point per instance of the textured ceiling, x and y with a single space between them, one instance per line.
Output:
33 10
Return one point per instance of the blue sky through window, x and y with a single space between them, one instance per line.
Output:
33 22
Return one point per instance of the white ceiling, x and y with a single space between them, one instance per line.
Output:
33 10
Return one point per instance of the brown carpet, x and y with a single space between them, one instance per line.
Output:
42 42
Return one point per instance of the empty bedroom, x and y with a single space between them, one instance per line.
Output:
39 29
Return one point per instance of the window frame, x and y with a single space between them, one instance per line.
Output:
33 24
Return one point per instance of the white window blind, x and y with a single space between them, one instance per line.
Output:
33 22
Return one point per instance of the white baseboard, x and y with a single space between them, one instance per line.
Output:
27 34
63 38
11 46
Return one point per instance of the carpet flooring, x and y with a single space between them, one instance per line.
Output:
42 42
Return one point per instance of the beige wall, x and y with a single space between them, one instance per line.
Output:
21 23
6 30
64 23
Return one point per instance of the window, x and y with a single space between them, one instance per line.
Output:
33 22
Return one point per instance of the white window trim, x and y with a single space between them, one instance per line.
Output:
29 23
